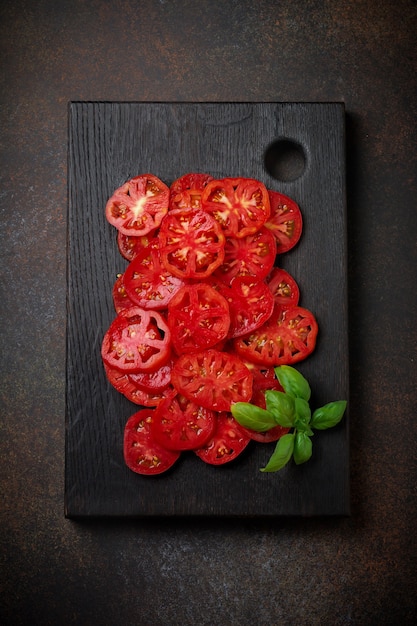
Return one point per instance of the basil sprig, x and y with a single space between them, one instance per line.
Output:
289 408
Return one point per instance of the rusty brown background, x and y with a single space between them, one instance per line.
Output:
359 570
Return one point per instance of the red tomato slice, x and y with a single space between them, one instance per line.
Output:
137 207
228 441
287 337
185 192
251 304
191 243
212 379
264 379
125 384
285 221
198 317
153 381
137 341
147 282
142 454
240 205
146 398
253 255
283 287
180 424
129 245
121 299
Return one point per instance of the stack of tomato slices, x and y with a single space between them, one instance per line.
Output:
203 314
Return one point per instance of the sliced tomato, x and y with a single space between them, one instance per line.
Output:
121 299
227 442
263 380
285 221
118 379
253 255
137 341
142 453
213 379
137 207
283 287
143 397
180 424
191 243
251 304
153 381
185 192
240 205
287 337
124 384
129 245
147 282
198 317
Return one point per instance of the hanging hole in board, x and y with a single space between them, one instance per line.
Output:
285 160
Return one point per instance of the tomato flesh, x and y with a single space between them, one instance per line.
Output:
147 282
137 207
125 384
288 337
285 221
180 424
228 441
191 243
185 192
213 379
251 304
136 341
252 255
121 299
153 381
142 453
284 288
145 397
129 245
240 205
198 317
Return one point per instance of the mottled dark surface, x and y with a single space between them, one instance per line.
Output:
359 570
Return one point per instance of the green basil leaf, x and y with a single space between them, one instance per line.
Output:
303 411
252 416
303 416
293 382
281 455
302 448
328 415
281 406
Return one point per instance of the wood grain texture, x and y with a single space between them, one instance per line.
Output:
111 142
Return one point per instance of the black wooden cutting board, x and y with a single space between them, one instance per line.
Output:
112 142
